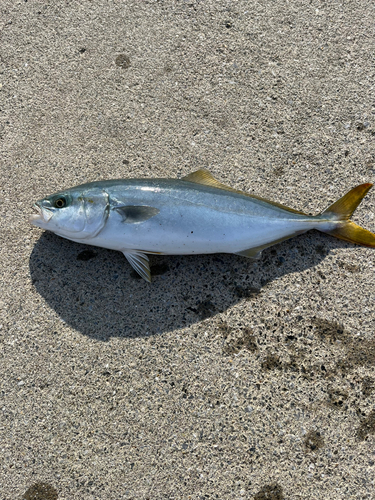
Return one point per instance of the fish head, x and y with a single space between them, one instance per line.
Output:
77 213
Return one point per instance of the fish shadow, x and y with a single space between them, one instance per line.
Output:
95 291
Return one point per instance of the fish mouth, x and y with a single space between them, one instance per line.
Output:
36 216
42 214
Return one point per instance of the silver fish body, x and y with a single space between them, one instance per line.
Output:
193 219
193 215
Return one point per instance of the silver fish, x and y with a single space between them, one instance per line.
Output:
193 215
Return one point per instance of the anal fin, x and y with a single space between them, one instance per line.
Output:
251 253
255 252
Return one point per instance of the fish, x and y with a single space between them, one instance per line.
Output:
196 214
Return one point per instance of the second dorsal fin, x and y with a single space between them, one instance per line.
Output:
205 178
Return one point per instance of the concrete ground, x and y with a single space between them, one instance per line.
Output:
222 379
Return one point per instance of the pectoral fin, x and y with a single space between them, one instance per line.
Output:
139 262
134 213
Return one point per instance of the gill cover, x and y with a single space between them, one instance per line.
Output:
84 217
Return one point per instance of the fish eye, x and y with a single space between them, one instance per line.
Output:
60 203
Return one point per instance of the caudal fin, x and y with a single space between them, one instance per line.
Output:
342 210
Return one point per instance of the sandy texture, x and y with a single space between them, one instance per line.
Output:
222 379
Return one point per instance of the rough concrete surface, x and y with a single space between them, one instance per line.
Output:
222 379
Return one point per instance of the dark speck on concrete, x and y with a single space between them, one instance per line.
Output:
367 426
159 269
270 492
329 330
123 61
313 441
86 255
245 340
40 491
368 386
271 362
205 309
244 292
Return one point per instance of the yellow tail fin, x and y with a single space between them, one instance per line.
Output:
341 212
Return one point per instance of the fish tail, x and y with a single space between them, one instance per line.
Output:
341 211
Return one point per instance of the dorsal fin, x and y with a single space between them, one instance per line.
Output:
205 178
